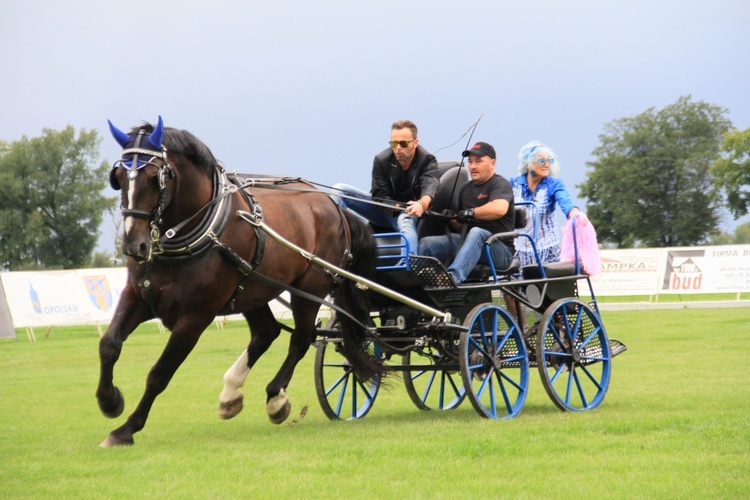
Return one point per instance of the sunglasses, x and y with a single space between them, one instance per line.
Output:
542 161
403 144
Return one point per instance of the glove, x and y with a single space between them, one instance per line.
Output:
465 215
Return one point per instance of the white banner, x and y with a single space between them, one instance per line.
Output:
684 270
706 270
44 298
629 272
76 297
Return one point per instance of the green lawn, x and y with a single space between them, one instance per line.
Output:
675 424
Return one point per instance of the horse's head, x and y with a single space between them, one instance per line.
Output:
145 179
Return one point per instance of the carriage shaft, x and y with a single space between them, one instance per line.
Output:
361 282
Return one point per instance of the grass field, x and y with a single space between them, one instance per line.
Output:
675 424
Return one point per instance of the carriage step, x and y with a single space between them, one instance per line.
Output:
430 272
617 347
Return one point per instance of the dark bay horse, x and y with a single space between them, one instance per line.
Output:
192 255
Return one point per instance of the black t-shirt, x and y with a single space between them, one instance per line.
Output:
403 180
496 187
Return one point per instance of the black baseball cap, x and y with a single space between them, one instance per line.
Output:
480 149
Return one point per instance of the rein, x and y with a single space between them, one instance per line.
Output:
280 183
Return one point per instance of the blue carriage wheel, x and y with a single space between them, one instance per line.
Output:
573 355
493 362
433 388
341 393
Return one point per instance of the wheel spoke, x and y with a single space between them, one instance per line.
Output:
504 391
591 377
493 407
594 334
342 394
581 392
502 376
427 388
367 391
338 381
479 348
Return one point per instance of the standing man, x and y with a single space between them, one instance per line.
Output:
486 207
404 175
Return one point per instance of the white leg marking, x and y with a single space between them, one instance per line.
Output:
234 378
276 403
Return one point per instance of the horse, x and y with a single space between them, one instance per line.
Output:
192 256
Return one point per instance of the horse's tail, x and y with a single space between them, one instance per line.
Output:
355 301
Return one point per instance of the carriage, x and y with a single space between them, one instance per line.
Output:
496 326
202 242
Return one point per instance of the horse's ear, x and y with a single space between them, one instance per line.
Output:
121 137
157 135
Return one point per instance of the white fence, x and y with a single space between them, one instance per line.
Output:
89 296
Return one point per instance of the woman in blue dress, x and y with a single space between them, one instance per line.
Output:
538 182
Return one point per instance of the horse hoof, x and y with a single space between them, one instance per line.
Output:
115 406
278 407
281 415
113 441
230 409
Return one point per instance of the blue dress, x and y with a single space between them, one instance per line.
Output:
549 192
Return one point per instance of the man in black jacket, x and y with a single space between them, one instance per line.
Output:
405 176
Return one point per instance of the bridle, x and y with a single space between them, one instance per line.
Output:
133 165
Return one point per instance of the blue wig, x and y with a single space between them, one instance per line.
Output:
528 154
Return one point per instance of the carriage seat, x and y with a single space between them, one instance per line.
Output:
551 269
452 177
555 290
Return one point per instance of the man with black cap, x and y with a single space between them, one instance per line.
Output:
486 207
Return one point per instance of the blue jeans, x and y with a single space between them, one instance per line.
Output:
406 224
470 254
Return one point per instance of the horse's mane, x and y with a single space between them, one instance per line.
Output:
183 143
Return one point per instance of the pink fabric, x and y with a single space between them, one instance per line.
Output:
588 247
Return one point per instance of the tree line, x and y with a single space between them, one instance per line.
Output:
660 178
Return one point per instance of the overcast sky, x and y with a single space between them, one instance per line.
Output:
310 89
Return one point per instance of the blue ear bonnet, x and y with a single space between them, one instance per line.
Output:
135 149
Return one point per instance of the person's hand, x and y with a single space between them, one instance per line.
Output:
465 215
415 208
583 220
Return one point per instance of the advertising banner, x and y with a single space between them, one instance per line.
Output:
44 298
89 296
629 272
706 269
76 297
